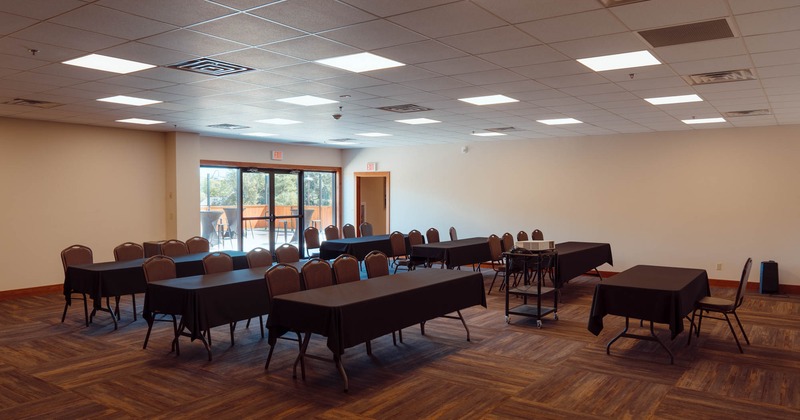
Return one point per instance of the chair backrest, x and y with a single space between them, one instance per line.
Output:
345 269
349 231
432 235
508 242
174 248
415 238
377 264
217 262
522 235
453 234
398 242
311 236
495 247
537 235
197 244
128 251
743 282
282 279
159 267
331 232
259 257
76 255
317 273
287 253
365 228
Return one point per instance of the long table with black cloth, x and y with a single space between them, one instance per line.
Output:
576 258
358 247
454 253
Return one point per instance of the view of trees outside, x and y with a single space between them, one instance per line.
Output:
218 187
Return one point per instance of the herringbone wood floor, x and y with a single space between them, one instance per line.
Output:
54 370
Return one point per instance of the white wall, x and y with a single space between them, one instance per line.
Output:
693 198
63 184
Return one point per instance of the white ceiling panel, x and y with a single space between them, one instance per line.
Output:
373 34
461 65
518 11
145 53
524 56
448 19
11 23
312 15
491 40
112 22
660 13
490 77
39 9
772 21
257 58
776 58
749 6
572 80
310 48
772 42
64 36
192 42
579 25
239 28
711 65
176 12
384 8
420 52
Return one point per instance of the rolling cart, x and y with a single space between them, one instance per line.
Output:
529 264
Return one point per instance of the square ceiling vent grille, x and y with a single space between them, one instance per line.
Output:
719 77
228 126
406 108
210 67
32 102
685 34
748 113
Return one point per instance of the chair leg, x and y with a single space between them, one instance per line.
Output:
248 323
64 315
728 320
147 336
261 323
400 335
741 328
86 309
233 327
492 285
133 300
269 355
691 328
394 338
369 347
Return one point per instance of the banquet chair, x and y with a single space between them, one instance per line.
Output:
198 244
345 269
453 234
415 238
399 253
365 228
507 241
282 279
522 235
128 251
174 248
348 231
724 307
537 235
217 262
160 267
331 233
432 235
317 273
287 253
76 255
377 264
259 257
496 255
311 237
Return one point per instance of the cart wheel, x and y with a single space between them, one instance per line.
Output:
539 323
555 316
508 319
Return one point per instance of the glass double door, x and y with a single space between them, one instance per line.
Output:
270 209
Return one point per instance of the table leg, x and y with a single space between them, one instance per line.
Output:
338 360
651 337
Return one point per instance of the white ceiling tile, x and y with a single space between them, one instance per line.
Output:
111 22
20 63
722 87
257 58
310 71
572 80
239 28
404 74
772 42
642 84
517 11
592 89
351 81
373 34
419 52
312 15
491 40
385 8
776 58
559 68
63 36
263 78
750 6
656 14
490 77
459 65
779 71
194 43
579 25
436 83
80 73
600 45
39 9
136 82
388 90
524 56
639 73
145 53
310 48
448 19
772 21
172 75
176 12
245 4
513 87
715 64
11 23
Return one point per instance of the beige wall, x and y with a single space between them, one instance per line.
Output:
64 184
695 198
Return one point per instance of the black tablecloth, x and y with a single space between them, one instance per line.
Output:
663 295
353 313
576 258
357 247
454 253
118 278
209 300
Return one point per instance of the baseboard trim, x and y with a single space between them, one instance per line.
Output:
31 291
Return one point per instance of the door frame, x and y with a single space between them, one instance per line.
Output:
357 188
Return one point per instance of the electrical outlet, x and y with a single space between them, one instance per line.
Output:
719 266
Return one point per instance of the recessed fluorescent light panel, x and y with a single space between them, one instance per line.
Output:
360 62
307 100
416 121
129 100
620 61
488 134
560 121
489 100
278 121
260 134
373 134
680 99
140 121
105 63
704 120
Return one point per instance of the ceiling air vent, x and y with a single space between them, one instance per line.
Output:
748 113
32 102
228 126
719 77
210 67
405 108
503 129
684 34
614 3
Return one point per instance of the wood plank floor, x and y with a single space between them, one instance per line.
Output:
54 370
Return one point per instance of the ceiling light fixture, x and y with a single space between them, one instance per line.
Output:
416 121
620 61
704 120
129 100
560 121
680 99
279 121
140 121
373 134
111 64
488 134
489 100
307 100
259 134
360 62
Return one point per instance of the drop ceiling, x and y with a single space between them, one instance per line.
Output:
523 49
